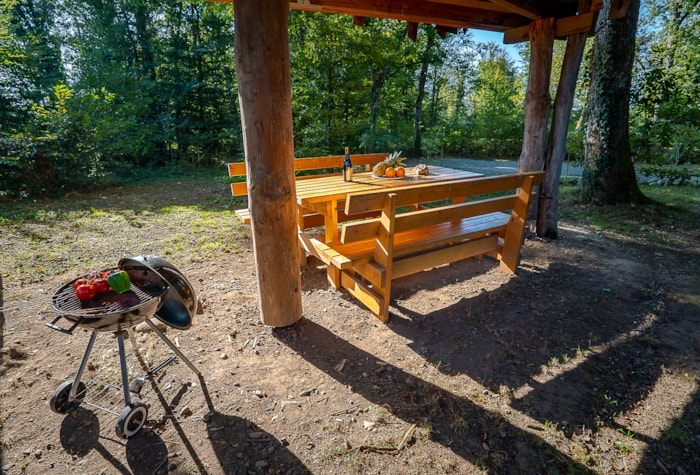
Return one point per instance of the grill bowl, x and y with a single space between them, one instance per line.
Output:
112 311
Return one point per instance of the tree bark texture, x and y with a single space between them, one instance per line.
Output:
537 100
263 70
608 175
548 211
418 111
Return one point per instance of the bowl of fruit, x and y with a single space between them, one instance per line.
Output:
392 167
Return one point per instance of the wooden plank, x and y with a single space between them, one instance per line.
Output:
428 12
324 189
527 9
515 231
243 215
430 192
368 297
384 249
236 169
428 217
239 189
371 271
318 163
562 27
438 257
310 219
425 238
331 235
323 252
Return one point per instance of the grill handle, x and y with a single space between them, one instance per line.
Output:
68 331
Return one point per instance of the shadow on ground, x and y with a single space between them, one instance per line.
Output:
576 361
484 438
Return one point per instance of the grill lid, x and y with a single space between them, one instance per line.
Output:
180 303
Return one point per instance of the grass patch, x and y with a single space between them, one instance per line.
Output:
673 209
182 217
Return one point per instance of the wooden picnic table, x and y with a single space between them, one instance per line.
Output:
323 194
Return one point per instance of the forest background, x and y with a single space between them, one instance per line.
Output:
98 92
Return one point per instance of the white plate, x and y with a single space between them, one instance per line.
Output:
387 178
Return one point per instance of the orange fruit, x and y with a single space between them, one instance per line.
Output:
400 172
390 172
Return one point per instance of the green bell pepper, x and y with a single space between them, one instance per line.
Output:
119 281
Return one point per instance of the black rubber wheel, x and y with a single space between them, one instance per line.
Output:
60 401
131 420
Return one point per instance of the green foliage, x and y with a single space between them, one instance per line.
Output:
92 91
665 114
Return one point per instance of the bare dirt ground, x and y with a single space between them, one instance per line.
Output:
586 361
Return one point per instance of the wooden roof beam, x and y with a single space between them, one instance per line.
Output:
523 8
562 27
442 31
431 12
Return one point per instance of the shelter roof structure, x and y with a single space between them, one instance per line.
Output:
510 17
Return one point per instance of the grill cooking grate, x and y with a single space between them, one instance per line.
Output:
146 285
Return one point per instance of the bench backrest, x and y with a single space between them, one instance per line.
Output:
427 193
306 164
390 223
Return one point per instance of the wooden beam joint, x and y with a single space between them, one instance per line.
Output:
412 32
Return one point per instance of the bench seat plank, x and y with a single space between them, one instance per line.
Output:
417 240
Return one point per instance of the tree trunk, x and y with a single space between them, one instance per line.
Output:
263 71
548 212
537 100
608 175
538 103
378 81
418 111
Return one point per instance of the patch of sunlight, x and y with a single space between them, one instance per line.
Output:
176 209
210 246
97 213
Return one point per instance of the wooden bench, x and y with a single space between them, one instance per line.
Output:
301 166
372 252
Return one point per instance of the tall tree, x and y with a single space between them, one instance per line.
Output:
427 57
609 175
494 113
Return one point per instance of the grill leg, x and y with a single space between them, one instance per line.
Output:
81 368
125 375
175 349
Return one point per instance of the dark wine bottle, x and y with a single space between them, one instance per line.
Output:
347 166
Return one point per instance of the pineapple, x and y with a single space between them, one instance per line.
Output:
394 160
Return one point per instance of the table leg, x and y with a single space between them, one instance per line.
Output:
303 262
331 235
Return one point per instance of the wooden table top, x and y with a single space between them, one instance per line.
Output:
328 188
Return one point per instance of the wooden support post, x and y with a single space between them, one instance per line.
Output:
263 70
537 100
548 211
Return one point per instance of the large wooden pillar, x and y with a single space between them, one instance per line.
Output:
548 213
537 100
263 70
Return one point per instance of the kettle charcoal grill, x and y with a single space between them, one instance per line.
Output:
168 296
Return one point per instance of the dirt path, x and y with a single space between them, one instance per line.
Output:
586 361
